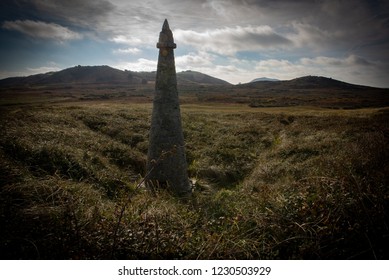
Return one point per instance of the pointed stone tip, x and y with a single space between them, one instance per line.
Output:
166 37
165 25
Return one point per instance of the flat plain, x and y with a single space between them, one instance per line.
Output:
271 179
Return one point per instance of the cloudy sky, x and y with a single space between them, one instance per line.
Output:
235 40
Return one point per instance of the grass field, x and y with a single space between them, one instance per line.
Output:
269 183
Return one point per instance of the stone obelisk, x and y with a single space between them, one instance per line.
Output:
166 161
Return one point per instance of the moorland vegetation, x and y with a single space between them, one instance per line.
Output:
268 183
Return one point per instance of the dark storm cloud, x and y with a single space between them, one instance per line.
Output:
348 22
78 13
42 30
231 40
345 25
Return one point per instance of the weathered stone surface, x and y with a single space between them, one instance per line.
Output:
166 161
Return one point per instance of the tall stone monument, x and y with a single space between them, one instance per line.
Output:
166 161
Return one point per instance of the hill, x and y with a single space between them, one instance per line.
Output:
74 75
320 82
263 79
193 77
306 82
310 91
89 75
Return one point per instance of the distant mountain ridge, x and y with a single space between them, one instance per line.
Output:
105 75
264 79
87 83
89 75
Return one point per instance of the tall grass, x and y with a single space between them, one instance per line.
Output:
267 184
